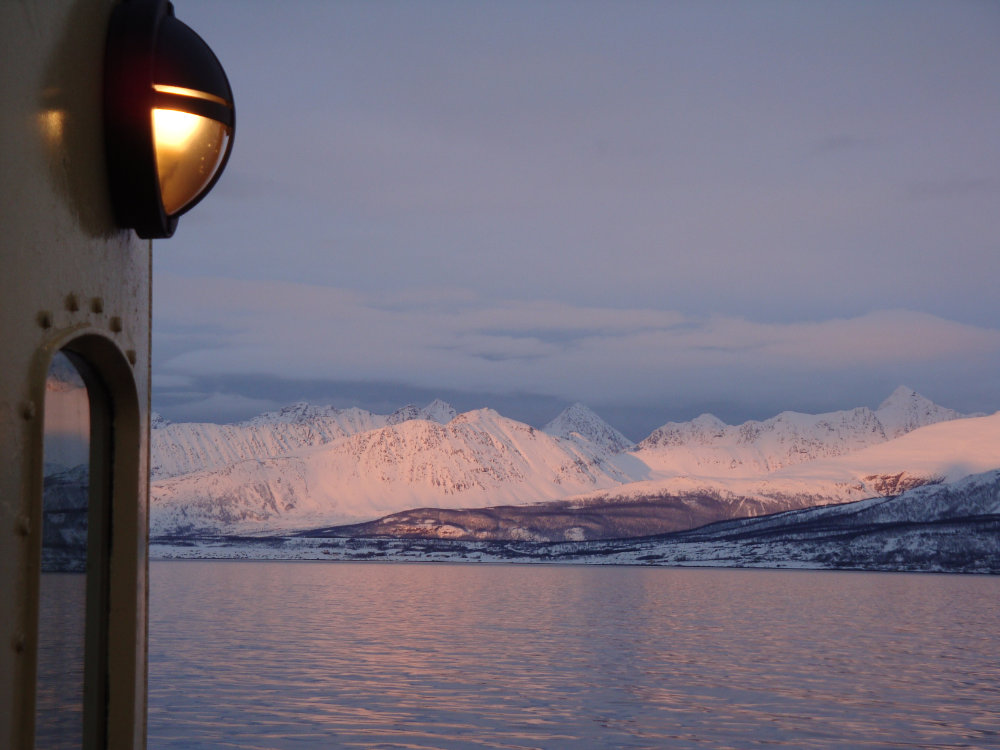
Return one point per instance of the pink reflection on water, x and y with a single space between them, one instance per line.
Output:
455 656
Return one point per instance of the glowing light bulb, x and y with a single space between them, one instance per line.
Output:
173 129
189 149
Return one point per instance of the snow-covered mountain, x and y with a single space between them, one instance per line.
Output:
319 466
436 411
951 528
943 452
707 446
906 410
185 448
578 422
477 458
932 455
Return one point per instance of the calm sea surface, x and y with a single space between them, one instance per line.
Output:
327 655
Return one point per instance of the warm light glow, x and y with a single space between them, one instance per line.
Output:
193 93
189 149
173 129
53 122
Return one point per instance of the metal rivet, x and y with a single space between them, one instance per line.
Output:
72 302
44 318
23 525
115 324
28 409
130 355
97 305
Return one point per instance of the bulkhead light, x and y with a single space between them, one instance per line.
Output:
169 117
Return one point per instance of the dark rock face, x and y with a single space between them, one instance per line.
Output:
890 485
563 521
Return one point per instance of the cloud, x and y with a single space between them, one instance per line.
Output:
646 203
172 381
215 406
299 331
740 162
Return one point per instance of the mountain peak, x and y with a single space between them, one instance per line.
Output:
708 422
577 411
297 413
436 411
578 420
404 414
905 410
903 396
439 411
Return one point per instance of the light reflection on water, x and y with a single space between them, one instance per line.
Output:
302 655
59 690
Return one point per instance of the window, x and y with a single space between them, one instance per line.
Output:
71 684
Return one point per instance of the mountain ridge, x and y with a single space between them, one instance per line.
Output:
315 466
946 528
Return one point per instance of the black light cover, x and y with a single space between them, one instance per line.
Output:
168 117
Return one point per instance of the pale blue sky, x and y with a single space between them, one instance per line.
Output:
657 208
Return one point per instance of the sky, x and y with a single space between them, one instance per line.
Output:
658 209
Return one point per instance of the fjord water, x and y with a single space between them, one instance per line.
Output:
370 655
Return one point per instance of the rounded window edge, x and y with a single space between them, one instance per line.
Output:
120 428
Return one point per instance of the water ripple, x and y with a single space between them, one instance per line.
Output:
302 655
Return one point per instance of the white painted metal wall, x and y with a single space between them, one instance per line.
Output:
68 278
